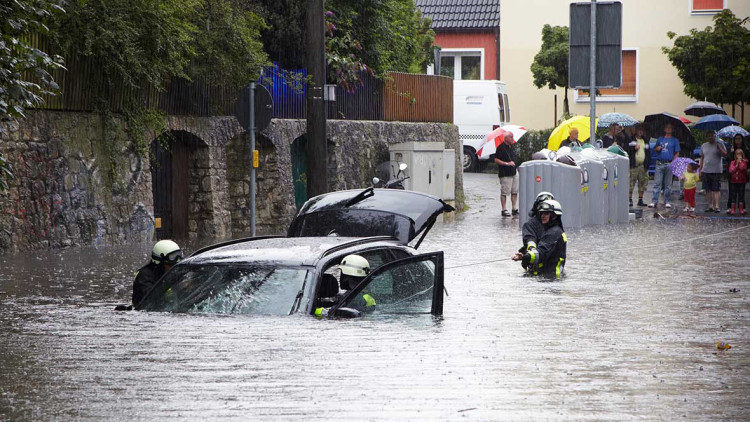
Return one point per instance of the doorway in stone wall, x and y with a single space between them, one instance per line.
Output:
170 175
299 171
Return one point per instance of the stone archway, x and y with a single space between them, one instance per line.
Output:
179 158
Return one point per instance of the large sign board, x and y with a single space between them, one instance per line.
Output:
608 45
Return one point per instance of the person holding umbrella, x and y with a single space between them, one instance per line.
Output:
507 162
667 149
640 158
710 168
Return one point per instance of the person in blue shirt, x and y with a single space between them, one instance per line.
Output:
667 149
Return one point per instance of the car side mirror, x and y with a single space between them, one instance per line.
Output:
346 313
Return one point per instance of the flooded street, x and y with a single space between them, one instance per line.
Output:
629 333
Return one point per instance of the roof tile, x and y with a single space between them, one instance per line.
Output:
457 14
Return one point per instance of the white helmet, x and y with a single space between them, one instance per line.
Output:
167 252
541 196
354 265
550 205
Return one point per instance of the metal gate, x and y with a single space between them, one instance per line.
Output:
169 186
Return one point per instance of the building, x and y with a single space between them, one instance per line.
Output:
468 32
650 82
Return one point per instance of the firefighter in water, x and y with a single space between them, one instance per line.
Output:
354 269
164 255
548 258
533 229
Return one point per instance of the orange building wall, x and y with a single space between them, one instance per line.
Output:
484 40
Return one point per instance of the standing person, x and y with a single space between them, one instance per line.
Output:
548 258
667 148
737 180
639 153
572 139
690 179
164 255
507 162
609 138
710 169
737 143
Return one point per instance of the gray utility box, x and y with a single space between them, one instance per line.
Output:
564 181
616 186
430 167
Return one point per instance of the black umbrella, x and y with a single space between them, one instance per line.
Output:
655 126
703 108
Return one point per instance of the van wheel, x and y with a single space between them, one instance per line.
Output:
470 160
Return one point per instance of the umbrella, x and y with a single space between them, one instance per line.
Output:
497 137
730 131
703 108
685 120
715 122
563 130
679 165
655 126
621 119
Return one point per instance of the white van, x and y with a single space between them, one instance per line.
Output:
479 107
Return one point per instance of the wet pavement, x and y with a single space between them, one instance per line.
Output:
629 333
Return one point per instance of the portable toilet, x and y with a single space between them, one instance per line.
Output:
598 182
562 180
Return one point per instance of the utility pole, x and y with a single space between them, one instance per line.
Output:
316 147
592 79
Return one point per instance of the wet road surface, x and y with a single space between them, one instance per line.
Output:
629 333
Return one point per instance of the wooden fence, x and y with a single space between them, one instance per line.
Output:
402 97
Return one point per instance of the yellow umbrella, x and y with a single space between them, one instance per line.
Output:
563 130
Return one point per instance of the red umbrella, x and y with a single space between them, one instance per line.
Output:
685 120
497 137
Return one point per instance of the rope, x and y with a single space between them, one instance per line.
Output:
619 250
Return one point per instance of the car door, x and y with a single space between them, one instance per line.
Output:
410 285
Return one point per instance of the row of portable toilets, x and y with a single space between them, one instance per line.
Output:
591 184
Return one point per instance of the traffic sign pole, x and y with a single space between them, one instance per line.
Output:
592 78
251 129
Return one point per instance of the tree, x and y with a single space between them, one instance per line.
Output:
550 66
25 70
714 63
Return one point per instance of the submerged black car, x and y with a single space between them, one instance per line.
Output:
299 273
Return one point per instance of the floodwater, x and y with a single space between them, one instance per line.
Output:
629 333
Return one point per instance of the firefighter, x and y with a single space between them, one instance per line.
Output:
548 258
164 255
354 269
532 230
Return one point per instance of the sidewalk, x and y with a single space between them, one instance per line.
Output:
700 201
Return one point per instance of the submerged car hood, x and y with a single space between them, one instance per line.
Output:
368 212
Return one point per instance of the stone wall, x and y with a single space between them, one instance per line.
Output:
71 188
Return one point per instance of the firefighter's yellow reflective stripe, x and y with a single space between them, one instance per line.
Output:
530 246
558 268
532 254
136 273
565 237
319 312
369 300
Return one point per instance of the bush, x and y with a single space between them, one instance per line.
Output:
531 142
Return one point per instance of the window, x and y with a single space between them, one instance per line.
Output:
707 6
461 63
628 90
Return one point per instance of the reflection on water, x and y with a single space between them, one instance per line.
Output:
629 333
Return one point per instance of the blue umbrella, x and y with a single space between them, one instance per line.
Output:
730 131
715 122
621 119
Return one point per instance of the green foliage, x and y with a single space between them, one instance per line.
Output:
228 43
714 63
550 65
532 141
24 69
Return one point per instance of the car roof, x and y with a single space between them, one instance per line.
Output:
292 251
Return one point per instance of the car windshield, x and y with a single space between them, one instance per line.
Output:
228 289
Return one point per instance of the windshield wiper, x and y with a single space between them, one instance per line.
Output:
298 298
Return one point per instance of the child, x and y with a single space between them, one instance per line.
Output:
737 179
690 178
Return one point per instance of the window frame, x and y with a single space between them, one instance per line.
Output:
578 98
457 53
698 12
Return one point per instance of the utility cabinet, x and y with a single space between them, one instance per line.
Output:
430 167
